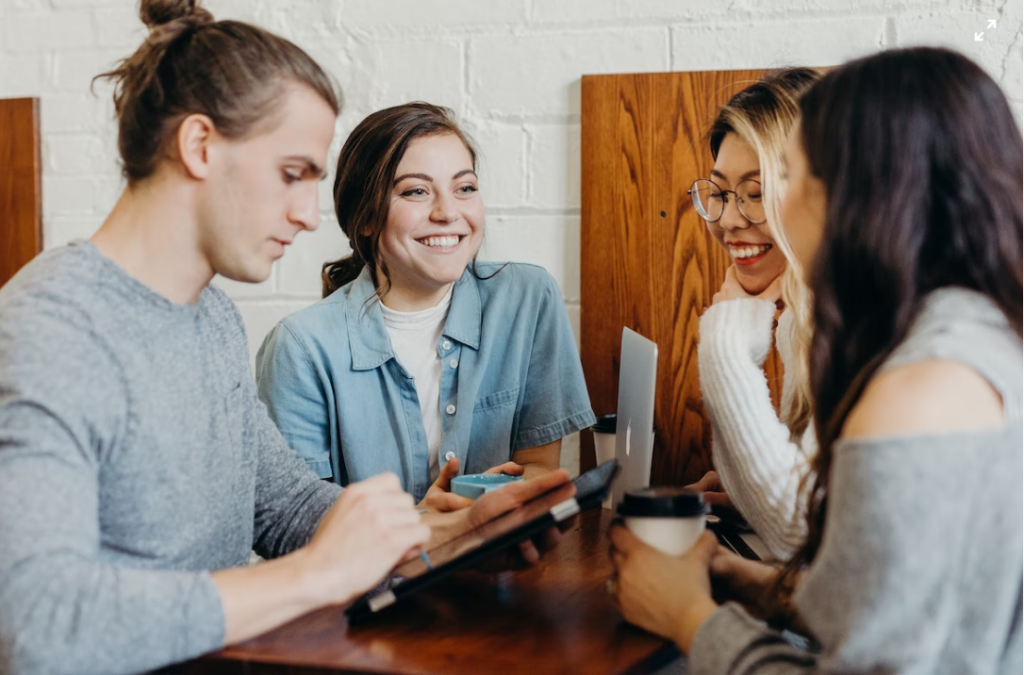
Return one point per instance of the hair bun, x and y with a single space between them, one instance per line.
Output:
159 12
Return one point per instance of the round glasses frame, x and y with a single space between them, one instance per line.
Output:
708 184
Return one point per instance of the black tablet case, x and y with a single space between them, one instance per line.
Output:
591 489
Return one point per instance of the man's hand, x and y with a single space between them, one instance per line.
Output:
373 525
440 497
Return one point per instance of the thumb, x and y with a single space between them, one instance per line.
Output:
623 540
508 469
706 547
448 471
447 501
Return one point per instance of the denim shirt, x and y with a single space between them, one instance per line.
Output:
511 379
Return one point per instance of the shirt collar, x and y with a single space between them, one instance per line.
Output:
368 336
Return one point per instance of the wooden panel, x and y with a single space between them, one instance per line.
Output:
647 259
21 235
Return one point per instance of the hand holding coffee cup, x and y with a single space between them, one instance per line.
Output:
670 519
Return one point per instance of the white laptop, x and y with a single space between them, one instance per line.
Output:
634 432
634 425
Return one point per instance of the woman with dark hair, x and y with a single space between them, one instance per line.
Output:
420 360
904 204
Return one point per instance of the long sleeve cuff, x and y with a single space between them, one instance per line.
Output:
760 466
204 617
732 641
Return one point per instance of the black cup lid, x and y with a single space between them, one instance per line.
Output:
606 424
662 502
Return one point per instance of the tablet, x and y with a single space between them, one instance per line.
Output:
478 544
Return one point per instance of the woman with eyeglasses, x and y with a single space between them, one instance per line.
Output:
760 455
904 207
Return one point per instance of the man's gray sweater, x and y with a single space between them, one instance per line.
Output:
135 458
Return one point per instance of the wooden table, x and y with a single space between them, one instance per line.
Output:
553 618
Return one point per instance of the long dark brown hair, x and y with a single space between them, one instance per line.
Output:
364 182
230 71
920 158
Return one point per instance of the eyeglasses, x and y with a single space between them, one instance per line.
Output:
709 200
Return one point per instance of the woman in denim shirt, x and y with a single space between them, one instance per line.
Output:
420 360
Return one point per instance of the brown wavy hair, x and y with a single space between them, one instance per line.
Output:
230 71
363 183
920 158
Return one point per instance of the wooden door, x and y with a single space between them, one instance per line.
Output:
648 261
21 235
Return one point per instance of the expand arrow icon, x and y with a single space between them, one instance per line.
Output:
991 23
978 37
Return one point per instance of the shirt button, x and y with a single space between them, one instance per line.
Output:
453 363
446 345
450 409
449 456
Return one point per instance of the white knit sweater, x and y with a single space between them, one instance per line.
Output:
756 457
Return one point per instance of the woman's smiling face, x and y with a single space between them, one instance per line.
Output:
751 248
435 221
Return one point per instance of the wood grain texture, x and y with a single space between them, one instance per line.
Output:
553 618
647 259
21 237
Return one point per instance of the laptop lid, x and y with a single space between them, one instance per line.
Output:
634 428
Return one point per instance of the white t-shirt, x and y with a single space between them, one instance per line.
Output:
414 337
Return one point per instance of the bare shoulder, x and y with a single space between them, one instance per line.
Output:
933 396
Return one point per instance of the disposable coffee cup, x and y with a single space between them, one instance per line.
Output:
604 438
604 444
671 519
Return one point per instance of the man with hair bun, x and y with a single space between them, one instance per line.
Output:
137 466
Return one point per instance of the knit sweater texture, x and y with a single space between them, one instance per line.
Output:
759 461
135 458
920 567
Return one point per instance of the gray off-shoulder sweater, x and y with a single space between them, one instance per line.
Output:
921 565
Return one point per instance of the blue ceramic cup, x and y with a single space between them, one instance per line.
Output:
475 484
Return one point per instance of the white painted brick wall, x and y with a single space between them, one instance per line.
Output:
758 43
510 68
527 73
553 175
